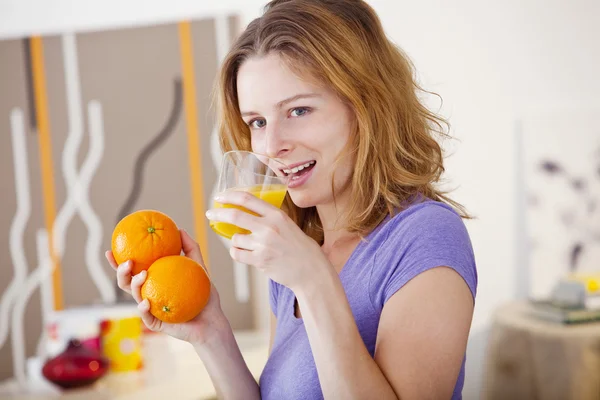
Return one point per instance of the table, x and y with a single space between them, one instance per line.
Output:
172 369
530 358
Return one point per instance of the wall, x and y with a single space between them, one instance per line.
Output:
494 62
491 61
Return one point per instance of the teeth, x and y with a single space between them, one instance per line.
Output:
298 168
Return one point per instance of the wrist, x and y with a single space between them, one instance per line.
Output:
217 346
215 326
325 279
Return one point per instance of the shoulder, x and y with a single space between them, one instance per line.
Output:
425 235
422 217
426 222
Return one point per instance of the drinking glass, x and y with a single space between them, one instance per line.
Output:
250 172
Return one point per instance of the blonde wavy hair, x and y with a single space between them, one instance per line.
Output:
341 44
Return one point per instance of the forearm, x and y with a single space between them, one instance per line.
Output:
346 369
226 366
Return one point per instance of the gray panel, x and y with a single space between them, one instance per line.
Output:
14 93
133 73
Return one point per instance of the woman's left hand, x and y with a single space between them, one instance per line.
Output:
276 245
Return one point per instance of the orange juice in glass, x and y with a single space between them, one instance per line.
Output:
250 172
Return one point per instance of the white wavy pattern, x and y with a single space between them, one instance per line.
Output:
19 222
46 301
240 271
42 273
78 184
90 219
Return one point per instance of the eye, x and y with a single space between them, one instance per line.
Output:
299 111
257 123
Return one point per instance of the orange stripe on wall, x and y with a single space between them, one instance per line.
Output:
194 145
46 164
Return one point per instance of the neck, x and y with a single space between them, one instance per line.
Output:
333 226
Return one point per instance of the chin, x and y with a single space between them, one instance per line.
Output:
302 199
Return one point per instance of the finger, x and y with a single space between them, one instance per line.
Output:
246 200
136 285
236 217
124 276
151 322
242 256
190 247
111 259
243 241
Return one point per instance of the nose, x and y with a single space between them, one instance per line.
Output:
276 144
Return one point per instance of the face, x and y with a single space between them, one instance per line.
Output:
301 124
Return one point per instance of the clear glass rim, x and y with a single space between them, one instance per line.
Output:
284 179
257 155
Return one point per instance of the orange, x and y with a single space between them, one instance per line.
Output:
177 288
143 237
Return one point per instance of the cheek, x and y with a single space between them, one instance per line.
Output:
257 144
344 171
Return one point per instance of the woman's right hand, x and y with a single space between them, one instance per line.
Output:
197 331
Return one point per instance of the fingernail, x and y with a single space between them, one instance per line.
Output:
127 264
210 214
219 197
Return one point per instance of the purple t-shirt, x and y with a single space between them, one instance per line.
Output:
423 236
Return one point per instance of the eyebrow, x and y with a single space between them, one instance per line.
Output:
286 101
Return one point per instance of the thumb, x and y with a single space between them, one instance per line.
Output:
190 248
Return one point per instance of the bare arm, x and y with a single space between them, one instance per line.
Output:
421 340
226 366
209 332
423 335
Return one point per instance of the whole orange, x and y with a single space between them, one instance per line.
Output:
143 237
177 288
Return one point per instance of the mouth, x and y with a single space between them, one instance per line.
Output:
299 169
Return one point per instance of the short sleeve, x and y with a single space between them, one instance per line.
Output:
429 236
273 295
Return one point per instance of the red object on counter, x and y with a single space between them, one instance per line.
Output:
76 366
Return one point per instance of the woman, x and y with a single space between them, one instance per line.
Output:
372 273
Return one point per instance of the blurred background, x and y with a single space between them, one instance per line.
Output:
105 109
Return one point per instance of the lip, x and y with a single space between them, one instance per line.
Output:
294 183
